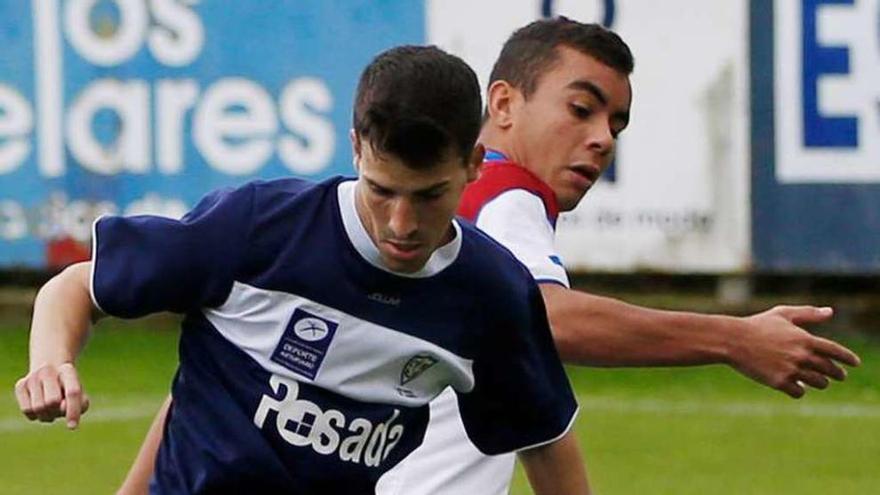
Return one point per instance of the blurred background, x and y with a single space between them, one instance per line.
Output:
747 177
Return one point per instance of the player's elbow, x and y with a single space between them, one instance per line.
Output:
565 337
565 334
73 280
74 277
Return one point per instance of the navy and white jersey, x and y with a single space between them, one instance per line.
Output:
305 365
516 208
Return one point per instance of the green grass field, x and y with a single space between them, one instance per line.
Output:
676 431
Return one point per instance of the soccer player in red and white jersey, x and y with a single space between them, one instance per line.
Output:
558 96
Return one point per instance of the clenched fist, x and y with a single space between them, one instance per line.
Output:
51 392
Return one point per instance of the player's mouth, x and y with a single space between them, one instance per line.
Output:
403 251
583 176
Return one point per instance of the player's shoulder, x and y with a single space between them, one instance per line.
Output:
493 276
267 203
260 188
514 207
501 179
274 195
274 189
489 264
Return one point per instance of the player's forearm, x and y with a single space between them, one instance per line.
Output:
137 482
601 331
556 468
62 317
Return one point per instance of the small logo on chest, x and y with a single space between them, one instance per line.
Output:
311 329
416 365
304 344
384 298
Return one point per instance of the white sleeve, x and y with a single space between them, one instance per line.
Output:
518 220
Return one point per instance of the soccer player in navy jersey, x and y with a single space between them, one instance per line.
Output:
320 319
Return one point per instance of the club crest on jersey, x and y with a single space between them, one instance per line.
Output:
304 344
416 365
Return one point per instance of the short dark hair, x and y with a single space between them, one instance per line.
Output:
418 103
531 51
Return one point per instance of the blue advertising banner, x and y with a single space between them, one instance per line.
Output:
135 106
815 68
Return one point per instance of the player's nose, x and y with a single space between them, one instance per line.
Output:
403 221
599 138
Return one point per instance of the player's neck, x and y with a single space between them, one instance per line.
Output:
496 141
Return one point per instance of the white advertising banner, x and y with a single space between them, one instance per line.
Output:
815 127
678 197
828 91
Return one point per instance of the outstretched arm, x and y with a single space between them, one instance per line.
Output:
556 468
63 313
768 347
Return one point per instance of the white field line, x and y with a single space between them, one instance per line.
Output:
140 409
748 409
145 409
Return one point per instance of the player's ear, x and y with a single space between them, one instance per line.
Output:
475 161
355 148
501 99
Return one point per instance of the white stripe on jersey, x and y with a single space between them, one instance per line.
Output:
447 461
518 220
364 360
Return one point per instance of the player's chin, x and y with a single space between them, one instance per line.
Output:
410 263
571 196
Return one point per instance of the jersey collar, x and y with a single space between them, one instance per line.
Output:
440 259
522 179
495 156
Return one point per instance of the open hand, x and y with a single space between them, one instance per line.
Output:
776 351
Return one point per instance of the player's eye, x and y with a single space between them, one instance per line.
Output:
430 195
581 111
381 191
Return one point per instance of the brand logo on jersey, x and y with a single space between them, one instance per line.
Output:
303 423
384 298
304 344
311 329
416 365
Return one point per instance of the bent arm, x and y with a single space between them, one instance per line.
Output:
556 468
63 313
770 347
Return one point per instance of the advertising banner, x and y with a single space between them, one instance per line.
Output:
816 135
751 143
135 106
677 197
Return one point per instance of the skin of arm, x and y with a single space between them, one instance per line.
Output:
63 314
768 347
556 468
137 482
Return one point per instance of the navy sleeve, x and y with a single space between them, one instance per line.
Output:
146 264
521 397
